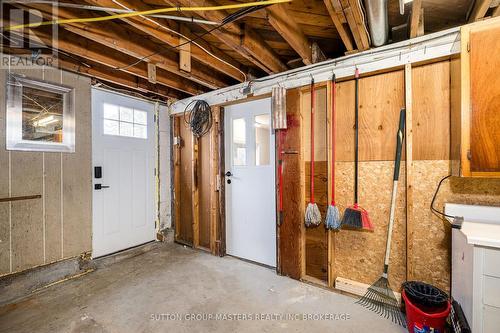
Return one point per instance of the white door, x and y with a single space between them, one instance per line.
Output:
250 189
123 147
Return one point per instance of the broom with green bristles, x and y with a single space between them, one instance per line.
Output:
332 220
312 215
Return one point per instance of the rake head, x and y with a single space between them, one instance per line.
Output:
380 299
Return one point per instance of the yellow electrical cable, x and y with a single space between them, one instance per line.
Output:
147 12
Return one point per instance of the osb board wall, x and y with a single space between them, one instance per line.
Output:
28 237
358 255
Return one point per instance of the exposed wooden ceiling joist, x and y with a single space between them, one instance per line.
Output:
479 10
355 19
113 35
415 19
337 15
103 73
243 40
290 31
160 30
89 50
496 12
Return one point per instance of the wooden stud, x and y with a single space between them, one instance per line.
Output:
176 121
152 73
184 50
331 234
291 32
415 18
409 173
221 227
195 190
479 10
214 179
335 10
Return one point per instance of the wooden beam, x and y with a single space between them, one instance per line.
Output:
496 12
410 216
415 18
195 191
113 35
354 16
335 10
184 50
87 49
159 29
291 32
245 41
479 10
151 73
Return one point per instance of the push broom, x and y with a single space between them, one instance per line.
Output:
332 220
355 216
312 215
380 297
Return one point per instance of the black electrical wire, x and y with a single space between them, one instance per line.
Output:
199 118
434 199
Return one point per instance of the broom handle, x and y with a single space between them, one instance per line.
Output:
312 140
397 163
333 139
356 120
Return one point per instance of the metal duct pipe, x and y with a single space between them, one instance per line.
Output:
378 22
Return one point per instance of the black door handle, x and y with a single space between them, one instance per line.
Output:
100 186
228 174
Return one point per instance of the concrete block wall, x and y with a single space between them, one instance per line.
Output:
57 226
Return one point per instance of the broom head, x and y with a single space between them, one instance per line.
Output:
313 215
380 299
332 220
365 220
352 217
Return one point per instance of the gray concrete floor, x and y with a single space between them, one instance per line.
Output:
155 291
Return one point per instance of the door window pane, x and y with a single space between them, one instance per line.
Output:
126 114
140 117
111 127
126 129
111 111
123 121
239 142
262 124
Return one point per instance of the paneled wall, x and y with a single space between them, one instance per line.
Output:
57 226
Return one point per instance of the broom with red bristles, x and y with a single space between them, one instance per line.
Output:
355 216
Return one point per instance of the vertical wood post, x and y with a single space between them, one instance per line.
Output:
409 173
214 179
176 154
195 191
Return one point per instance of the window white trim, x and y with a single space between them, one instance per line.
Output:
14 130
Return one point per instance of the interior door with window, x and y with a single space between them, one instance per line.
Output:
250 182
123 157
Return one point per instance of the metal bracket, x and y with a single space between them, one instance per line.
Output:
177 141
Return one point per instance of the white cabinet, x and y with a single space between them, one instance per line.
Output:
476 266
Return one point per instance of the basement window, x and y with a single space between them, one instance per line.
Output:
40 116
123 121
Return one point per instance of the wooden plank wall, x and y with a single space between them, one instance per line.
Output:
196 200
358 255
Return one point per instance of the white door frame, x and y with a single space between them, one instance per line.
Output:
98 96
227 188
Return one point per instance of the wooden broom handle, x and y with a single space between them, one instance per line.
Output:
312 139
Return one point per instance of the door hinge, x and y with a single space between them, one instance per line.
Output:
154 117
469 155
155 172
468 47
177 141
217 183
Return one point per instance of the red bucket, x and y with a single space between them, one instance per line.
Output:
419 321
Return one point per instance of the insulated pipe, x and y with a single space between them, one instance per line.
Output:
378 22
